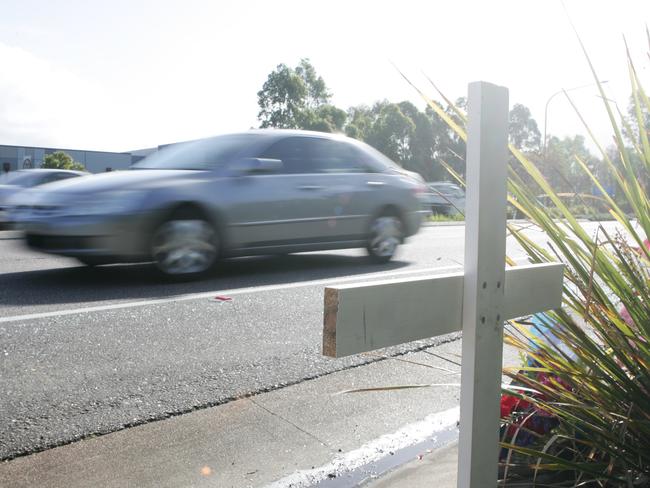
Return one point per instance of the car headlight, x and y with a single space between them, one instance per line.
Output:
104 203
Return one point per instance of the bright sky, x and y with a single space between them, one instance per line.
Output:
127 74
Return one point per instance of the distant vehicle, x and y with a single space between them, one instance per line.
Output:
444 198
257 192
16 181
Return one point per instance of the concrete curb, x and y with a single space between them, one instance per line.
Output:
9 234
439 467
462 223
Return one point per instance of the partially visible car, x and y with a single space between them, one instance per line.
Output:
256 192
444 197
17 181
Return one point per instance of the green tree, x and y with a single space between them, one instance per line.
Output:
422 142
449 147
636 125
359 122
635 122
317 93
297 98
524 134
325 118
391 132
562 169
522 130
61 160
401 131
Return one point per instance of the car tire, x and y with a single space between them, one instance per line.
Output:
185 245
92 261
385 236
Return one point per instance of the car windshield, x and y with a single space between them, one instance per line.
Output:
21 178
199 155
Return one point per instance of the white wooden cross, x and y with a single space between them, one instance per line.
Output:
363 317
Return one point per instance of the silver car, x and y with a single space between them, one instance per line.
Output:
444 198
256 192
15 182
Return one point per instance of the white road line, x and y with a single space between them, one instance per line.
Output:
209 294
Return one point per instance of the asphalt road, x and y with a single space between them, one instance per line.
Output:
89 351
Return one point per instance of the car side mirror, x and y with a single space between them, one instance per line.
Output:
255 165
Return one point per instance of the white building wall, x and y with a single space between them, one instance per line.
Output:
14 158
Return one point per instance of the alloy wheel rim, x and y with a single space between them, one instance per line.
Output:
386 235
184 247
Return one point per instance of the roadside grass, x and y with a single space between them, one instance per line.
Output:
580 213
437 217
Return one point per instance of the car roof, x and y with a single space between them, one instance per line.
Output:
295 132
271 135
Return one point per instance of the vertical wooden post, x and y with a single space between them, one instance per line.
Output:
484 284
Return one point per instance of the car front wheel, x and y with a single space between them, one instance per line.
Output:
386 235
184 247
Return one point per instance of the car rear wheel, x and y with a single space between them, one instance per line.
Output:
93 261
386 235
184 246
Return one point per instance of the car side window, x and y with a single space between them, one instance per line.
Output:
330 156
317 155
63 176
294 152
50 178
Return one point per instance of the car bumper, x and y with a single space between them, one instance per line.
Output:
5 221
413 221
118 236
5 218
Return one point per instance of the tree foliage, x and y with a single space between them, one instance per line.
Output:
522 131
561 167
61 160
450 148
421 141
400 131
293 98
325 118
298 98
636 121
317 93
391 132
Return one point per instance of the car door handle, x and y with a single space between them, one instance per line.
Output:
310 187
376 183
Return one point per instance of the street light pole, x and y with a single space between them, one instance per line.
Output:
549 101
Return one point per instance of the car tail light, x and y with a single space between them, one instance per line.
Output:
419 189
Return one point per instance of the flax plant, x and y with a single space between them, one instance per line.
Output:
589 364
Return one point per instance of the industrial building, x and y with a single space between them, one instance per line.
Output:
13 158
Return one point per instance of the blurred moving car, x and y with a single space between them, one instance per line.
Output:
257 192
445 198
17 181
